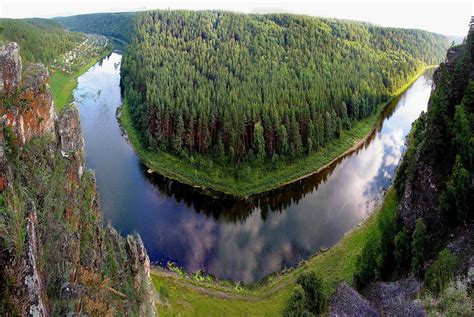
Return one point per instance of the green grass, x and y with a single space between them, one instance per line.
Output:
185 301
63 84
335 265
249 178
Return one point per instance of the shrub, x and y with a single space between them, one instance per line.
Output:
418 247
314 289
309 297
441 272
368 263
453 301
402 251
297 303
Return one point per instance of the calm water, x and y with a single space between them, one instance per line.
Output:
238 241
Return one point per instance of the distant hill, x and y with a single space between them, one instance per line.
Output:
116 25
41 40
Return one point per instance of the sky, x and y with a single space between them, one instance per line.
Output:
448 17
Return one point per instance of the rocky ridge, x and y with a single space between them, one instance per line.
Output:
33 135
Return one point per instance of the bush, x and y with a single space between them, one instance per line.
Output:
418 248
309 297
297 303
368 263
453 301
441 272
402 253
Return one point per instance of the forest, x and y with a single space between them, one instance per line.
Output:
242 88
41 40
115 25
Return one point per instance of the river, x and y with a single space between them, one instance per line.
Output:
241 241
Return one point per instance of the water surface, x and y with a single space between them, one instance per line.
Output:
241 241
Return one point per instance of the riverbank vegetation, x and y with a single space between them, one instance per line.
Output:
63 79
183 295
259 92
249 178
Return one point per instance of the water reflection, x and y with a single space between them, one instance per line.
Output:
243 240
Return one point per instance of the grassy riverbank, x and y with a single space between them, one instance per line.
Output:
183 296
63 84
251 178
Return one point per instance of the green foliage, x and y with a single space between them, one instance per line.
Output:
115 25
315 292
369 262
462 134
406 168
402 251
454 300
229 76
418 247
441 272
309 297
454 201
40 40
376 258
297 304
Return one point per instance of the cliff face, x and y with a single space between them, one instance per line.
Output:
56 256
426 172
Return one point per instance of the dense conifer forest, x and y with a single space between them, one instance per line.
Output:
115 25
242 88
41 40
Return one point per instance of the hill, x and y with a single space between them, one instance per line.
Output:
259 92
41 40
116 25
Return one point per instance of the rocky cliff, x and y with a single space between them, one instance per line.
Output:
429 243
423 177
56 256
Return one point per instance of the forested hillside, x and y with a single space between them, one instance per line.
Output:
41 40
431 235
244 88
116 25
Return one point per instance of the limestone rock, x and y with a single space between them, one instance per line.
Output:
395 298
420 198
140 265
33 286
10 67
346 301
71 142
35 77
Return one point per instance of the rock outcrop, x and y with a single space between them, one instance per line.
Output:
420 198
346 301
395 298
66 244
71 142
378 299
28 111
10 67
33 287
429 171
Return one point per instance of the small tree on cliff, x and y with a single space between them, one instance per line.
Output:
418 247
